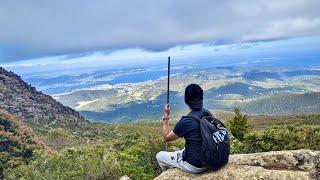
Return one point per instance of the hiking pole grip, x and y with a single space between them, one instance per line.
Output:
168 96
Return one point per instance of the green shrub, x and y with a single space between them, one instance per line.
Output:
58 139
239 126
276 138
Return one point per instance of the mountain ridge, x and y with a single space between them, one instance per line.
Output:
33 107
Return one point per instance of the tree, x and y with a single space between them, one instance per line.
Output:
239 126
58 139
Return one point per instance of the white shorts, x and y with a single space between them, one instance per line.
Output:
174 159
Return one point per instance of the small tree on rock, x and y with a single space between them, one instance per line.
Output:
239 126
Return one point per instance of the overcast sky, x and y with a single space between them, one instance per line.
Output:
37 28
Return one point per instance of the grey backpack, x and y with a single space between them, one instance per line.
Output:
215 148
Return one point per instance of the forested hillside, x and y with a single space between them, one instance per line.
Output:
109 151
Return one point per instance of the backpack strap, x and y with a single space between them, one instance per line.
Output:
194 115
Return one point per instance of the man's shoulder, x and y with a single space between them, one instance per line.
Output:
185 118
203 112
188 120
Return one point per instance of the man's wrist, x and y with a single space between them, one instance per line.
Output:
165 118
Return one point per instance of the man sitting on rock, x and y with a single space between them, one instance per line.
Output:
187 159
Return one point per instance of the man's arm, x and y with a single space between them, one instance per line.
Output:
168 135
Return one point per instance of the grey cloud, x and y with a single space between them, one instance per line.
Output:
37 28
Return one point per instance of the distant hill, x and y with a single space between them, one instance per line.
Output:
302 72
72 99
37 109
260 75
240 88
284 104
17 142
138 111
256 90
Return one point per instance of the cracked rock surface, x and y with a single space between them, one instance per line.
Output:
295 165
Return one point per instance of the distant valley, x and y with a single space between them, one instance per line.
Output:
138 94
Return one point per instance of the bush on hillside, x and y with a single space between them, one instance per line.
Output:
58 139
275 138
288 137
17 142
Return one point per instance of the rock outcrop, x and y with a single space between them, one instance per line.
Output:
35 108
295 165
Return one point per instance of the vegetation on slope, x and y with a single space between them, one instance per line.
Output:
17 141
130 149
289 136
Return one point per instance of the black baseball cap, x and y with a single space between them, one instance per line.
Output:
193 96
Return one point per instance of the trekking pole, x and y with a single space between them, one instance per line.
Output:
168 95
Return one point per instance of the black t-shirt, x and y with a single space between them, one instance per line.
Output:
189 129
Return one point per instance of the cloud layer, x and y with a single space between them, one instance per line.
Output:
40 28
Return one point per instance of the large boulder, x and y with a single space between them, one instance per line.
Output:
297 164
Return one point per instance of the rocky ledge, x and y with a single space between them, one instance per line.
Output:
297 164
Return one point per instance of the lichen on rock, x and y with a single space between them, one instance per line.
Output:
296 164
